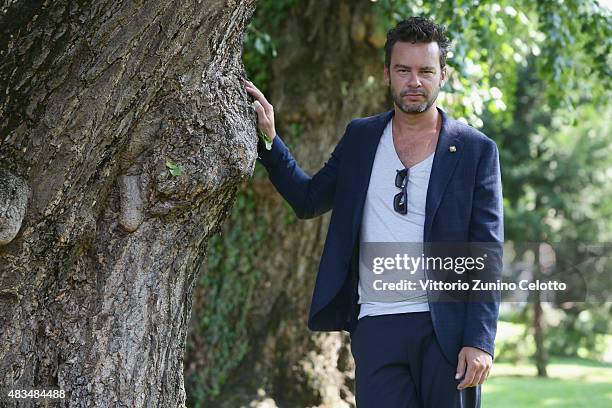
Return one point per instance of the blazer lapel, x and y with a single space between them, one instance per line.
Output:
448 153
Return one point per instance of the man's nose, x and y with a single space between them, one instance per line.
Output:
414 81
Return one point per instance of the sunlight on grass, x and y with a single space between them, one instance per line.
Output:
571 383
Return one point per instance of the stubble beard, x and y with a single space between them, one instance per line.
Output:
414 108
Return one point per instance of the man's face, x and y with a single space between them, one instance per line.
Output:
414 75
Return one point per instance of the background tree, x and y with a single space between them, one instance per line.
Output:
124 134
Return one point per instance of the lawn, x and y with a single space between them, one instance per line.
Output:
571 383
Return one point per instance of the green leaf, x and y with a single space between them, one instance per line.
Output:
267 139
174 169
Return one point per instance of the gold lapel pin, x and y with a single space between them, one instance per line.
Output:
452 149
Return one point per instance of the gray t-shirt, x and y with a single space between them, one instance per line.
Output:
381 223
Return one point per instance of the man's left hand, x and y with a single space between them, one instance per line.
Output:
476 365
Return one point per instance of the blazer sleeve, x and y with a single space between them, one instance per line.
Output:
486 234
308 196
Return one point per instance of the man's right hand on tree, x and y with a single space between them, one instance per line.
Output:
265 111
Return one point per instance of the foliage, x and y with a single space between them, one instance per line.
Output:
260 43
512 344
230 279
581 333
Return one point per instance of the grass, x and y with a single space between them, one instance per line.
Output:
572 383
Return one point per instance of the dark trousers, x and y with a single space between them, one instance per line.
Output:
399 364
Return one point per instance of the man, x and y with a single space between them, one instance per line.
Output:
414 175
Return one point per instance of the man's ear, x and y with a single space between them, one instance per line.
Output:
386 75
443 76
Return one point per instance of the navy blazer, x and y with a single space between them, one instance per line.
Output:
463 204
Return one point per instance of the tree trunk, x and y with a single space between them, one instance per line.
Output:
540 356
124 133
250 344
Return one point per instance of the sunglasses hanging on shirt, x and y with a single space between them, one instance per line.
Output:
400 200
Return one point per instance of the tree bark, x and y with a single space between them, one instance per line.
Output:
328 71
124 134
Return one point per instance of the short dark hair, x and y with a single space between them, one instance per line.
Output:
417 30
